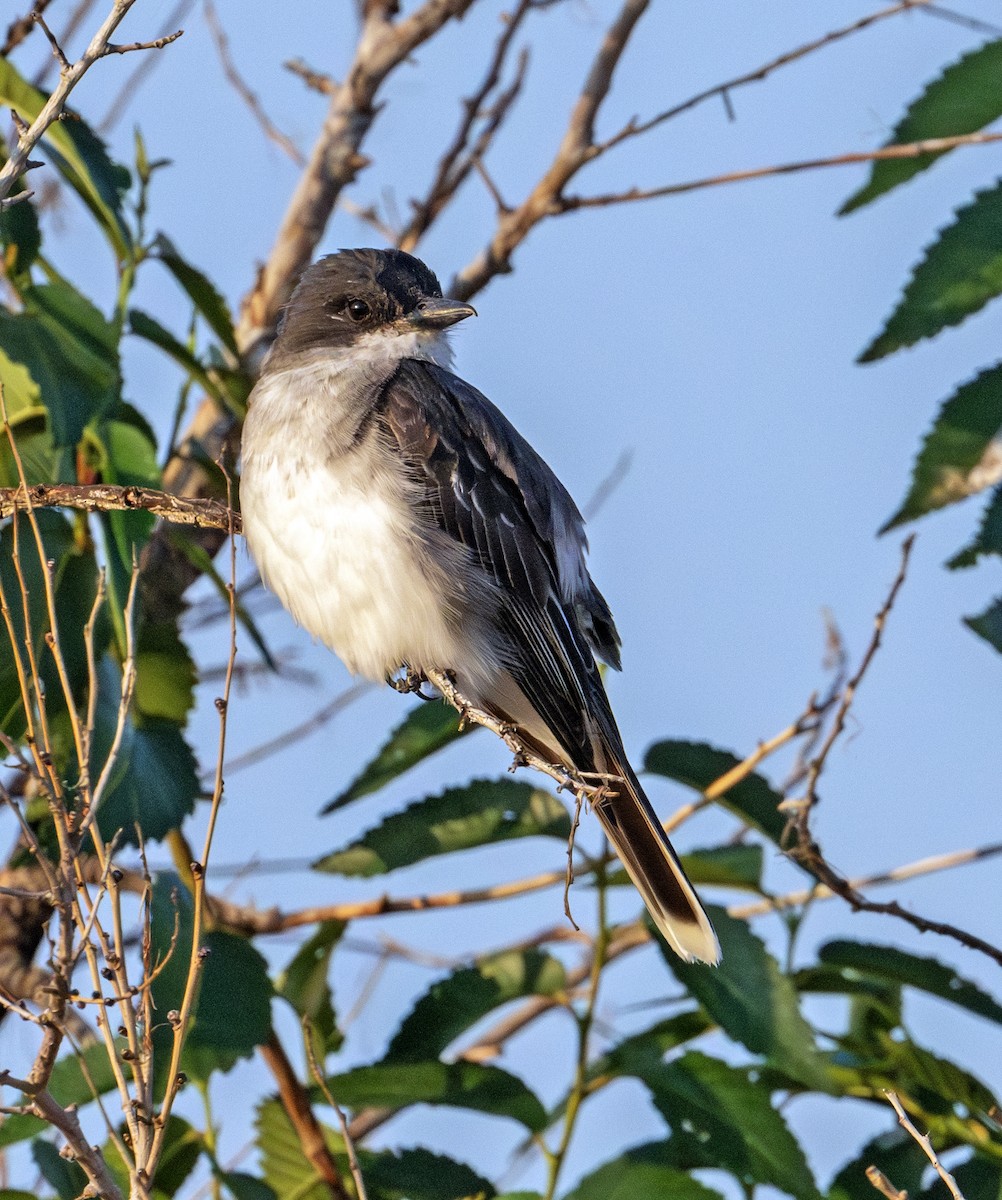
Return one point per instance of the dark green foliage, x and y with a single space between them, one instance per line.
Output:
484 812
453 1004
427 728
965 98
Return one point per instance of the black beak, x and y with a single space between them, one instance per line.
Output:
440 313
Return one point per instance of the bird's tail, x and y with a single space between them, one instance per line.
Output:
644 849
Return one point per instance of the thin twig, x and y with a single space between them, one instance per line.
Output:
349 1145
879 1180
923 1140
903 150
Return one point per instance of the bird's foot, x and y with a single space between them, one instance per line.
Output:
410 683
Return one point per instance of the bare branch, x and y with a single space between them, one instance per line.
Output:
134 81
316 80
349 1145
103 497
69 77
637 128
296 1101
155 44
243 89
905 150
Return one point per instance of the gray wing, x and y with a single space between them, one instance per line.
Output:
484 485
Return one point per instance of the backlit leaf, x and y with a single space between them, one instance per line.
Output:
958 452
640 1174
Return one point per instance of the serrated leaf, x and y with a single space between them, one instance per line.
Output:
79 156
752 1001
232 1013
719 1117
640 1174
304 984
286 1169
738 865
988 624
482 813
154 783
453 1004
914 970
418 1174
200 289
987 540
697 765
70 352
963 99
428 727
959 273
647 1049
895 1153
958 454
457 1085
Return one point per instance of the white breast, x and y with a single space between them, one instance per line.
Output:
336 538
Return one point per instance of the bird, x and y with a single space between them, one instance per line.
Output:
405 523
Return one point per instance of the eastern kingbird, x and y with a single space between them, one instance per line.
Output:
404 522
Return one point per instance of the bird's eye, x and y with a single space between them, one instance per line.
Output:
358 310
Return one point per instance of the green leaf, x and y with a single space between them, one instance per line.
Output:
957 450
74 586
418 1174
428 727
165 674
21 396
988 624
68 1085
20 236
752 1001
233 1009
68 1178
914 970
304 984
242 1186
453 1004
987 540
150 330
458 1085
200 289
720 1118
71 353
286 1169
895 1153
640 1174
960 273
738 865
965 98
697 765
154 783
484 812
79 156
647 1049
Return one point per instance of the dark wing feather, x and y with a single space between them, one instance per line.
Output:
486 487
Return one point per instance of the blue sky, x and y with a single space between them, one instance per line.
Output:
712 336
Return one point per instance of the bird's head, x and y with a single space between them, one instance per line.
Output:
384 300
